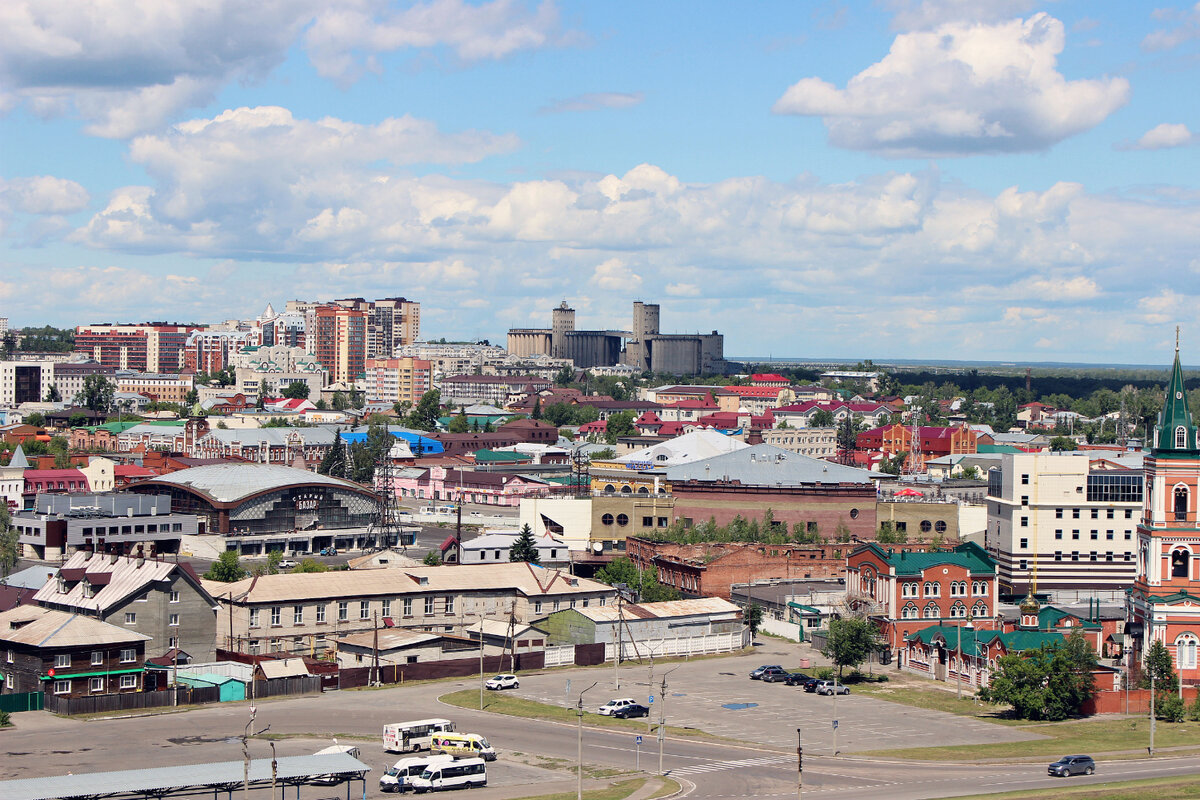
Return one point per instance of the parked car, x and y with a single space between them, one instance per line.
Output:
796 679
1072 765
614 705
329 551
811 684
832 687
758 673
503 682
286 563
635 710
773 675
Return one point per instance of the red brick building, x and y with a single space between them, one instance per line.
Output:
935 441
150 347
905 592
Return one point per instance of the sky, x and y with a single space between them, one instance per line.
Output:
944 179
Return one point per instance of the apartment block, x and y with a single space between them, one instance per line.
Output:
149 347
398 380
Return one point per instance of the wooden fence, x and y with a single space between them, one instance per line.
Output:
305 684
102 703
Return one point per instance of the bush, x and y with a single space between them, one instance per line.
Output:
5 719
1168 707
823 673
1193 711
864 677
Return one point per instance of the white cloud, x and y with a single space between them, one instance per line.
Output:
43 194
490 30
683 290
593 101
959 89
128 67
1186 28
614 275
1162 136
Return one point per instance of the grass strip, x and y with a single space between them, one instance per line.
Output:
513 706
1158 788
1128 736
618 791
937 700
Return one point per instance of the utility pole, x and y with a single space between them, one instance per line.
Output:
662 718
579 764
481 661
799 765
375 680
958 670
246 755
1152 713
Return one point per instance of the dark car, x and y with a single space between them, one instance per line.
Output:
810 685
634 710
1072 765
758 673
796 679
774 675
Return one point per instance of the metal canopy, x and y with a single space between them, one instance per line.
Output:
160 781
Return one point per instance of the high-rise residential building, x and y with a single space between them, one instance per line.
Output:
398 380
1057 525
337 336
394 322
25 381
210 350
148 347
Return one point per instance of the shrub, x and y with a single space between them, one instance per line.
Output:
1168 707
1193 711
5 719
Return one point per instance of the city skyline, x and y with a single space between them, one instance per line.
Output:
925 179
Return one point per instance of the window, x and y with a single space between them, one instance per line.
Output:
1108 535
129 681
1058 513
297 615
1024 544
622 519
1058 533
1129 513
408 607
385 607
1058 555
1095 535
958 610
1074 513
607 519
1025 479
1111 513
1025 500
1185 653
174 596
1024 522
1023 564
62 687
97 658
130 618
1179 564
276 616
364 609
173 620
931 611
1074 555
96 684
647 522
909 612
428 606
926 526
933 589
343 611
128 655
663 522
254 618
1181 438
1074 534
10 660
321 614
449 605
537 606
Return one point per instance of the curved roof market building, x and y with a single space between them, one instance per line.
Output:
240 499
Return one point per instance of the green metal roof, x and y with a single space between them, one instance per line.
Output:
998 448
1175 415
973 640
969 555
1050 617
494 456
64 677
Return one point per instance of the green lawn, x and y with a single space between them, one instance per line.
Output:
936 700
618 791
1095 736
513 706
1158 788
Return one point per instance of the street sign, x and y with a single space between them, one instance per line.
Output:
835 722
651 698
638 739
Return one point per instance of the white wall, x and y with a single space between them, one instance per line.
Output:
574 514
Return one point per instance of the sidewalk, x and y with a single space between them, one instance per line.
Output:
566 786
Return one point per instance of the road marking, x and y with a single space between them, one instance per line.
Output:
716 766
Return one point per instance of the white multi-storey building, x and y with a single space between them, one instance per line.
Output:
1057 525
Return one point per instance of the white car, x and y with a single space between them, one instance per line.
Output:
286 563
615 705
503 682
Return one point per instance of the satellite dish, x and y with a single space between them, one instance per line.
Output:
597 548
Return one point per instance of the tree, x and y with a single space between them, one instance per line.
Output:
424 415
525 547
1050 683
850 642
297 390
1159 665
310 565
564 377
77 420
847 434
53 395
432 559
334 462
356 398
842 532
97 393
537 409
1060 443
822 418
644 583
226 568
339 401
191 398
619 424
273 559
754 615
459 423
35 419
558 414
10 547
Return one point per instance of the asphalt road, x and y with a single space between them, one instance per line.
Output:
755 759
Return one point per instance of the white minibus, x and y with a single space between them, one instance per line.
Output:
399 776
464 773
409 737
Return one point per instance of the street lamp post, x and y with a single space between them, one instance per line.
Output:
662 717
246 754
579 765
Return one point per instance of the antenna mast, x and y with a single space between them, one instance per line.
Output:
387 533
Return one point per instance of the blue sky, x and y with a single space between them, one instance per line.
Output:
1003 180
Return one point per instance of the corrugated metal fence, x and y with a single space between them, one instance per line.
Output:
21 701
103 703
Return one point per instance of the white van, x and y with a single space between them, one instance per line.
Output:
399 776
329 780
409 737
465 773
463 745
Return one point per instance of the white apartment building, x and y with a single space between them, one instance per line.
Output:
25 381
279 366
1058 525
814 442
454 359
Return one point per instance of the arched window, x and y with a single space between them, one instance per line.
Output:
958 610
909 612
1181 438
643 490
1180 564
1185 651
931 611
980 610
1181 503
626 490
608 487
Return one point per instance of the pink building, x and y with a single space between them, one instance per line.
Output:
489 488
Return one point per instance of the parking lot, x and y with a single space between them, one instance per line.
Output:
717 696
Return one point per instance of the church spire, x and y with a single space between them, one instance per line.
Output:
1176 431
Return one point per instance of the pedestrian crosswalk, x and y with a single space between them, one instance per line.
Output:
717 766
